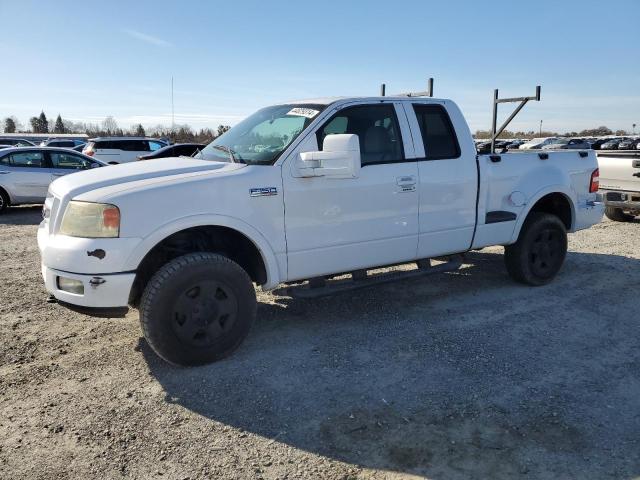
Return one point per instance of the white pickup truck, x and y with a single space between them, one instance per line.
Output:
299 194
620 184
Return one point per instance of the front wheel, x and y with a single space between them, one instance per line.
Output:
537 256
197 309
617 214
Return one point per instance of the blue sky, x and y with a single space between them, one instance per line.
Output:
86 60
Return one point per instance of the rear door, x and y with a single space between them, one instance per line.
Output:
108 151
448 178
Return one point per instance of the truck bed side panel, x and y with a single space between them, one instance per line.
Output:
512 183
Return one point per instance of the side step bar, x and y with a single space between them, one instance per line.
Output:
321 286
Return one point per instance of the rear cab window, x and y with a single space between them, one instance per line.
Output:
438 136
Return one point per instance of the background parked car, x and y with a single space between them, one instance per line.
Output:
26 172
627 144
537 143
515 144
611 144
62 142
176 150
115 150
17 142
484 147
568 144
597 143
79 148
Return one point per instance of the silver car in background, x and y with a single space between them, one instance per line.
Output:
26 172
568 144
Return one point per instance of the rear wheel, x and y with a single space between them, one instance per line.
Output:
537 256
617 215
197 308
4 200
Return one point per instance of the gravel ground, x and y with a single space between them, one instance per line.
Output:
460 375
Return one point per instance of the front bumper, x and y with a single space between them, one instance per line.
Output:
622 199
101 291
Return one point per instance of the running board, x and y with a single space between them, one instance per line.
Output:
321 286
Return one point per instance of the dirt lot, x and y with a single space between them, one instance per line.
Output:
461 375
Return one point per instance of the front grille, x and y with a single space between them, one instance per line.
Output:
614 196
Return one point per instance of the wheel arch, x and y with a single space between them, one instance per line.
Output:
7 193
557 200
244 234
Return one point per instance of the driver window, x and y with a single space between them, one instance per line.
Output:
67 161
377 129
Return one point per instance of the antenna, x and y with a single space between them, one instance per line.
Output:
173 123
523 101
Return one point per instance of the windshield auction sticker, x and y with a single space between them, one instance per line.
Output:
303 112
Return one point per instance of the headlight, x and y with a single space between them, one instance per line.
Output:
91 220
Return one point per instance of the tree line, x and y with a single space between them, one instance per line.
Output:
109 127
590 132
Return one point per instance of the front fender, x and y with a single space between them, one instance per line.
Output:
266 251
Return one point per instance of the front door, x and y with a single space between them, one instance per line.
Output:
336 225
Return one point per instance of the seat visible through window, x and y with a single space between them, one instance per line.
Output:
377 130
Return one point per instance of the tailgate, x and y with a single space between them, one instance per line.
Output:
617 172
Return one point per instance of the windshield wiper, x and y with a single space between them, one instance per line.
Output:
229 152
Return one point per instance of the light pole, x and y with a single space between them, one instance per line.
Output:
540 127
634 128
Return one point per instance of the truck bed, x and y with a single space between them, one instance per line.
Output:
510 186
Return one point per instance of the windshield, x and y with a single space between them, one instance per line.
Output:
262 137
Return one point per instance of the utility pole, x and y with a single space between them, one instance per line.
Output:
540 127
634 128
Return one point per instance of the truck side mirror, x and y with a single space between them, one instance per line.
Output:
340 158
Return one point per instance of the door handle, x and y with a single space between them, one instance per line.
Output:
4 172
406 181
58 174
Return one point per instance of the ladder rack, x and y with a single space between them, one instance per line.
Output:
427 93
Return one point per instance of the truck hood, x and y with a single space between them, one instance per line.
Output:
150 170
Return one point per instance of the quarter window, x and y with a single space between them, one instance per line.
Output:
438 136
377 129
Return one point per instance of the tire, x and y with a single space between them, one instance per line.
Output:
539 253
198 308
617 215
4 201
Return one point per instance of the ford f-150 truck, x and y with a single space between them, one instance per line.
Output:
620 180
310 196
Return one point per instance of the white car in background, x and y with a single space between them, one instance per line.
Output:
538 143
115 150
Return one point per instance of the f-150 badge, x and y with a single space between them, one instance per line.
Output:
263 191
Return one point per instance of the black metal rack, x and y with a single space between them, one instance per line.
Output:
523 101
427 93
